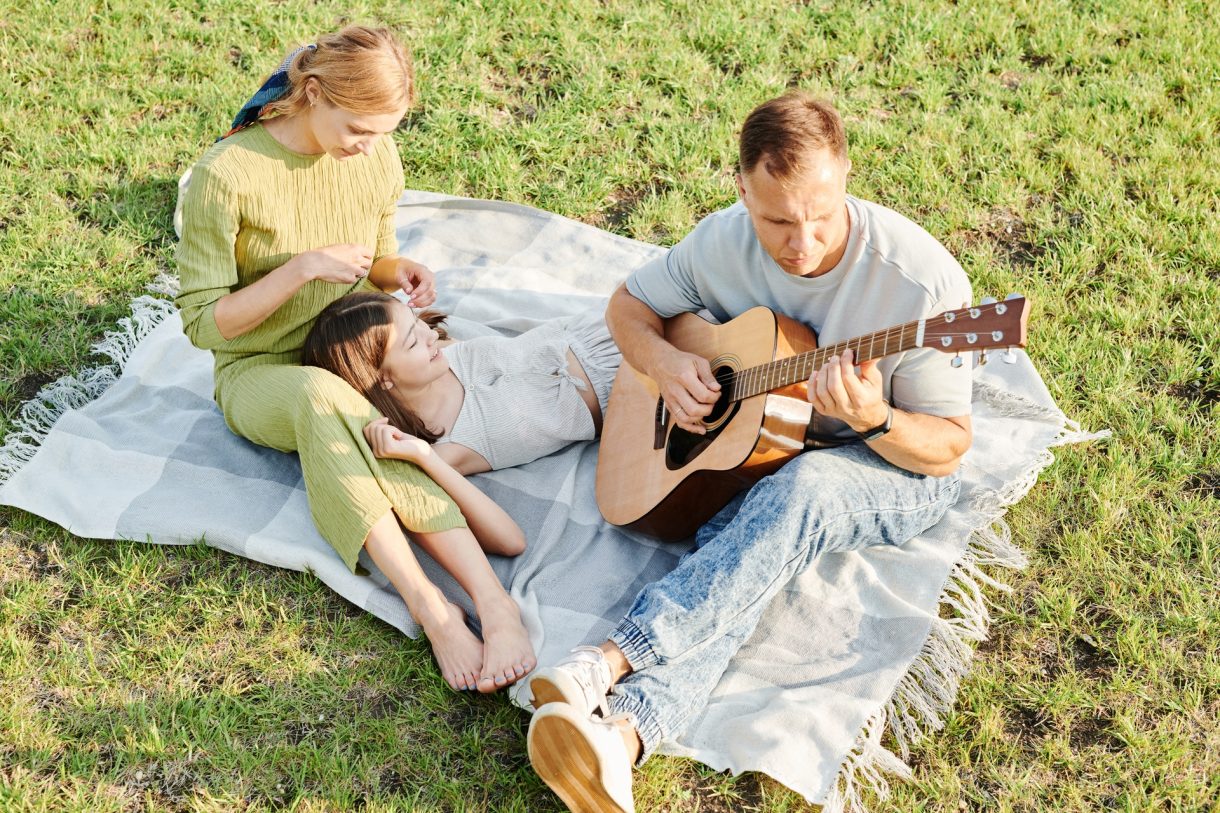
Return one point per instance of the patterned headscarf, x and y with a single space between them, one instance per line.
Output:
275 87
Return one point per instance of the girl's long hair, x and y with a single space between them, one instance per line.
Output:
349 338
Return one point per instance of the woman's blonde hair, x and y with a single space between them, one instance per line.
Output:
349 338
363 70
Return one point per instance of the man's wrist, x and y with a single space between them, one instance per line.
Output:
877 430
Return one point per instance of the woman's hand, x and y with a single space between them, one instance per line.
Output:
389 441
341 263
417 282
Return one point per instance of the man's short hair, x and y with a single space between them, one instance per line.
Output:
781 133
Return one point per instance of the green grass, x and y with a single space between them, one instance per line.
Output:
1066 150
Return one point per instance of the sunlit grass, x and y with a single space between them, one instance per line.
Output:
1065 150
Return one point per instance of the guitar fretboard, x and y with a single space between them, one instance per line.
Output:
753 381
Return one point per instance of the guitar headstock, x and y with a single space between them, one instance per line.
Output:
988 325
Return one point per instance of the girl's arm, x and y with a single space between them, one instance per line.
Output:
466 461
491 525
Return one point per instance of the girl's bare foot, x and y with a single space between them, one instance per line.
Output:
508 655
458 652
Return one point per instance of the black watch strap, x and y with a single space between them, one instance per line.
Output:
878 431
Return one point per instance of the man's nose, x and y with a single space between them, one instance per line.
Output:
804 238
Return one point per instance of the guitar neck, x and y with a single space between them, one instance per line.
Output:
784 372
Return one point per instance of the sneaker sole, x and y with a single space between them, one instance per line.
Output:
563 759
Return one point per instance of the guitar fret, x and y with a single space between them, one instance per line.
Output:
783 372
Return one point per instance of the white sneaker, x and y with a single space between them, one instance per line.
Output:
582 758
582 680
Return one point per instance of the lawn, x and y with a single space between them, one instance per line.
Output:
1064 150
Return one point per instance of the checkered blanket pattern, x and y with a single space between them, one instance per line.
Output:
854 648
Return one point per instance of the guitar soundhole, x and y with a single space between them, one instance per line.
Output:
681 447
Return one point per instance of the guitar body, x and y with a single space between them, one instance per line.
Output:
664 481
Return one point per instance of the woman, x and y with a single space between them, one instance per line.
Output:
288 212
488 403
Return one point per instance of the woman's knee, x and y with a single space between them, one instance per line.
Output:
321 392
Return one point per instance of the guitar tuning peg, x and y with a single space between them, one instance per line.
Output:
988 300
956 361
1009 357
982 357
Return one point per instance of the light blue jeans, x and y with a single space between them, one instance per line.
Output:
682 631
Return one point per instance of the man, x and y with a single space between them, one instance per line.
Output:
797 243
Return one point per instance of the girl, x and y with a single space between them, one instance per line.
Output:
287 213
487 403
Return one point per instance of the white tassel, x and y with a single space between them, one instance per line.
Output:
40 413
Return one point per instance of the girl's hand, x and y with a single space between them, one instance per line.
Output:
341 263
388 441
417 282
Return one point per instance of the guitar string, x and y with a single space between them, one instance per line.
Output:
762 377
757 375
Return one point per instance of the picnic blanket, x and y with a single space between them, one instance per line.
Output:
859 646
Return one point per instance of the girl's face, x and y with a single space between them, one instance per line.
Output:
343 134
413 357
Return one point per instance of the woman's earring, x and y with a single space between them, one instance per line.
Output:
387 384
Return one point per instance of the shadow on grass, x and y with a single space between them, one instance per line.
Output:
48 331
142 208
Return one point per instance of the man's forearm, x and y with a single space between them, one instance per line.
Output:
924 444
636 329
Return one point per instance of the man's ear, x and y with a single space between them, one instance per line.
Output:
741 187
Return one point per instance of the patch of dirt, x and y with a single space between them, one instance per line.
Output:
1094 732
31 384
625 200
1090 658
1027 724
1203 392
416 119
1035 60
747 794
1204 483
1083 654
24 558
239 59
1011 236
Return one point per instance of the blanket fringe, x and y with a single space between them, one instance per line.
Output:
71 392
927 691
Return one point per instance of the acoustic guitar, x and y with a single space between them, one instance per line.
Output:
660 479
